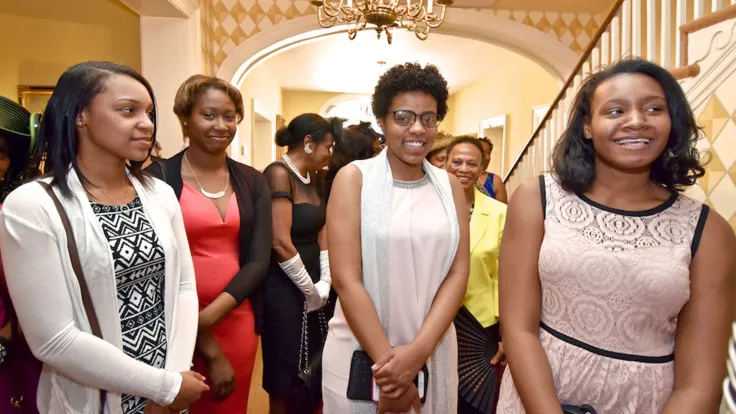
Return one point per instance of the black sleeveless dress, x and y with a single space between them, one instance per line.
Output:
282 343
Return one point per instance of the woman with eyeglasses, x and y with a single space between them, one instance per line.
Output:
398 235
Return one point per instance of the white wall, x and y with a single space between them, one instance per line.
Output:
261 94
170 54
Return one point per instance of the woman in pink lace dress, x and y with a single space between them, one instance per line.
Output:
616 290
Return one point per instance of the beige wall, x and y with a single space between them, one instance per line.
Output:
512 87
262 95
37 50
301 102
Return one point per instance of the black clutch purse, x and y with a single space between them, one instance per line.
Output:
578 409
360 383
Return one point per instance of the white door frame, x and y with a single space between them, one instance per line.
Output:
495 122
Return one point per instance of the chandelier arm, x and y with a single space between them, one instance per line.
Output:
325 21
422 33
434 21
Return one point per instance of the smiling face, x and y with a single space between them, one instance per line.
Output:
213 122
410 143
630 123
118 120
465 161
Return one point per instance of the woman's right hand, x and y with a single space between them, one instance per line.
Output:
192 387
222 377
403 404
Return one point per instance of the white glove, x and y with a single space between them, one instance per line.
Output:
325 277
294 268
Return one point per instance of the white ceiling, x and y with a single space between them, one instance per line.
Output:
338 64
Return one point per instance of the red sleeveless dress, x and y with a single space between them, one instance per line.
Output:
215 251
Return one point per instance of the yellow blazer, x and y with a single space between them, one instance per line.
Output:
486 229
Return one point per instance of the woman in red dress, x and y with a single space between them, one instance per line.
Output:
227 214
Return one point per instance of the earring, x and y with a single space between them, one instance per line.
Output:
307 149
79 124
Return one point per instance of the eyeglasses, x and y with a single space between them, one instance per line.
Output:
408 118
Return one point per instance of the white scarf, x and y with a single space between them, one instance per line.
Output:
376 198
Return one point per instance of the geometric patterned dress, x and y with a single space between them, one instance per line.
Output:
138 260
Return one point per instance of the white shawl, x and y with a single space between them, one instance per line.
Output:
376 198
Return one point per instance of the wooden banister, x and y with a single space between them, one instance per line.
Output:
726 13
560 96
684 72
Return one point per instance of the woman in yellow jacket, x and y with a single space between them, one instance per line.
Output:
487 217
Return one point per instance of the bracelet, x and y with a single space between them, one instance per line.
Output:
4 345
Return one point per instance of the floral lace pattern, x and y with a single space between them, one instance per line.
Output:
615 280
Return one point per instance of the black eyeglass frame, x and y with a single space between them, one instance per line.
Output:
414 115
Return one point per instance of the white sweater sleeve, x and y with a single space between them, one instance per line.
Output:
187 310
33 263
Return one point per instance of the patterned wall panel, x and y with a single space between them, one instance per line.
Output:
718 119
228 23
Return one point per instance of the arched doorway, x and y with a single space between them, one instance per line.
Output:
549 53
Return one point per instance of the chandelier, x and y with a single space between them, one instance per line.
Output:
417 16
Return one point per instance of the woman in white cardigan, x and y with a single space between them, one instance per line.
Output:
133 249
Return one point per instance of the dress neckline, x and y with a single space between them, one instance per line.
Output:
633 213
412 184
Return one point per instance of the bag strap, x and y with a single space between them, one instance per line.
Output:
71 246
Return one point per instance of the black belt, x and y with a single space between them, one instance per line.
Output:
608 354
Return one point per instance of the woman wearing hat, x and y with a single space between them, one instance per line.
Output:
19 370
438 154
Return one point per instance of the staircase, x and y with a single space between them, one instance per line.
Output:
651 29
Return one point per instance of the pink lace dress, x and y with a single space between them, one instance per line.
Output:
613 283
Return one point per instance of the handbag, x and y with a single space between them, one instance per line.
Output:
305 390
578 409
71 246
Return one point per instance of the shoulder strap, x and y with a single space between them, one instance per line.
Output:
71 246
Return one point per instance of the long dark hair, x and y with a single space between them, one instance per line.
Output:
73 93
679 164
355 144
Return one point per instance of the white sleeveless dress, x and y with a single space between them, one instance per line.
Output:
418 241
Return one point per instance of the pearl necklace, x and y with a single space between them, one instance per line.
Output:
212 196
306 180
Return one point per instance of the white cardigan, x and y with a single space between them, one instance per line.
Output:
48 301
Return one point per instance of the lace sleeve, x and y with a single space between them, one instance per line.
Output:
279 181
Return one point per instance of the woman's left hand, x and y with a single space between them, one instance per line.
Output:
153 408
500 356
397 368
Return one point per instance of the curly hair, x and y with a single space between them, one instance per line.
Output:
679 166
410 77
195 86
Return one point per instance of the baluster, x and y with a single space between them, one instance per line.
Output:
680 19
716 5
606 48
699 9
616 37
667 33
636 28
596 57
561 123
652 30
545 148
626 28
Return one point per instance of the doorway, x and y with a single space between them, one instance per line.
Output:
262 141
495 130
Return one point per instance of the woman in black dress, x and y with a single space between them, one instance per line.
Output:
298 283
